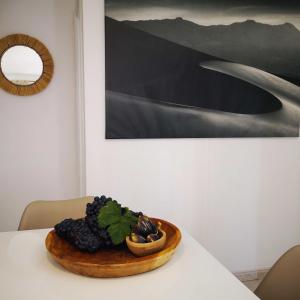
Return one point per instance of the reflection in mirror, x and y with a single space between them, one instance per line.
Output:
21 65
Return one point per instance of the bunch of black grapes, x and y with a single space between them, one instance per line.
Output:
85 234
78 233
92 210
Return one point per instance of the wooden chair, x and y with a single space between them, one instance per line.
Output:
45 214
282 282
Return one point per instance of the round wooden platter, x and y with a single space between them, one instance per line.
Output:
111 262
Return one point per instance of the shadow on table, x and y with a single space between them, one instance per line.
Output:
55 264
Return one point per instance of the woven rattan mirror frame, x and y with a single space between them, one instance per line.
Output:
48 65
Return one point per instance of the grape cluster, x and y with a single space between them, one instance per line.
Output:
92 210
85 234
78 233
63 228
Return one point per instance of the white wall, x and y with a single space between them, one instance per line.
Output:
38 138
240 198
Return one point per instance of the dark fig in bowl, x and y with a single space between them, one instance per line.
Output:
152 237
137 238
144 227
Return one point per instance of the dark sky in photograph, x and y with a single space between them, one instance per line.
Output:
279 3
207 12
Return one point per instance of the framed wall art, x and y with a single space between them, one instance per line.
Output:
202 69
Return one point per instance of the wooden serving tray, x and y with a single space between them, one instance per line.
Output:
111 262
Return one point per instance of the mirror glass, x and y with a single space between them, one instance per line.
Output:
21 65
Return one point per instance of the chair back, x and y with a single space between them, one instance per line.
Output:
282 282
45 214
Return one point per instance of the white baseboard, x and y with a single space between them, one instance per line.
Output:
251 275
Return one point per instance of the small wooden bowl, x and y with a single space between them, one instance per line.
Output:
143 249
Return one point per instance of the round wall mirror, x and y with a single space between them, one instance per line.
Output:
21 65
26 66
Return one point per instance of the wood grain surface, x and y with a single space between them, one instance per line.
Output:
111 262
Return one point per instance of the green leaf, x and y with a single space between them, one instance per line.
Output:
129 216
109 214
118 225
118 232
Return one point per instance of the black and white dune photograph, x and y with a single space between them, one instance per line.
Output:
202 69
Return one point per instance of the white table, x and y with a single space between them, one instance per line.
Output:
28 272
